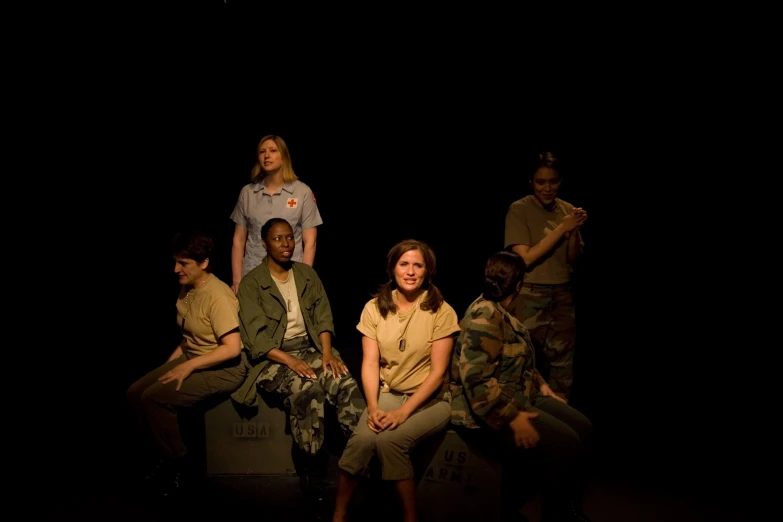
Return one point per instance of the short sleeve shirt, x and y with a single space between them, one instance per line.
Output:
295 203
404 371
527 223
207 314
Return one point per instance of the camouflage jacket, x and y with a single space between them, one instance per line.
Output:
493 368
263 318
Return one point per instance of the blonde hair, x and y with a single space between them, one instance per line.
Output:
257 174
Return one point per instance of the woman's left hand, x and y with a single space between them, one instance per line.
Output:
335 365
546 391
179 373
391 419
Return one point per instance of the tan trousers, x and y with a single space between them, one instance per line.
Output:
393 447
155 405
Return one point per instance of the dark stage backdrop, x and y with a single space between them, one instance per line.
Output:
448 186
438 159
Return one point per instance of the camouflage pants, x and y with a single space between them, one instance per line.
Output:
548 313
304 399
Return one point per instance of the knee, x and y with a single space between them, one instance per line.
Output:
350 394
347 382
364 439
580 423
347 388
569 442
358 453
387 443
150 395
585 430
313 393
134 393
361 444
560 434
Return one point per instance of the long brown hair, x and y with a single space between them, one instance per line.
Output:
434 299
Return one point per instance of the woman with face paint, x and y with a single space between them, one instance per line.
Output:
287 330
407 335
207 361
544 230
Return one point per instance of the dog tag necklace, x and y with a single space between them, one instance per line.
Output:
281 284
403 332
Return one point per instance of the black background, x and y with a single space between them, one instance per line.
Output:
398 136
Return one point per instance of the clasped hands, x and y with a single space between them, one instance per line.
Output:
379 420
575 219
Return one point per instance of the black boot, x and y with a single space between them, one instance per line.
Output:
166 479
562 510
510 509
312 476
312 481
155 470
574 511
513 517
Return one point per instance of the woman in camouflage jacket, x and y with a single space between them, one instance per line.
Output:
500 402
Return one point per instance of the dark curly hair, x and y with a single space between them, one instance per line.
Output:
193 244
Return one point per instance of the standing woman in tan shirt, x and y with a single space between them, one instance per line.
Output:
408 333
544 230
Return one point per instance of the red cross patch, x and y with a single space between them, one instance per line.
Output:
291 203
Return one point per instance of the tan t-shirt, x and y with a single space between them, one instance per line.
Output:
527 223
209 313
295 322
404 371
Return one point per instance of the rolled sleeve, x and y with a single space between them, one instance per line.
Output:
368 322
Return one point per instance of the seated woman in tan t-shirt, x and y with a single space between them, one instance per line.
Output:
408 333
207 361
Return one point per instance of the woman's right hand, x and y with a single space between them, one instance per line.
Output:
301 368
574 220
374 419
524 432
235 287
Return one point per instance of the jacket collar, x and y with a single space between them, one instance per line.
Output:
265 276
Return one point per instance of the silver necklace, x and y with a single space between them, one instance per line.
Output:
189 298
